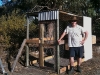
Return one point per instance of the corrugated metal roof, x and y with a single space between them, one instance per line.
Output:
62 15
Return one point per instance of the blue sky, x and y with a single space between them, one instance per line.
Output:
0 2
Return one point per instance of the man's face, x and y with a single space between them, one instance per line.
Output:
73 22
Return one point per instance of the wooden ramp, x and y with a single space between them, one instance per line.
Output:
19 54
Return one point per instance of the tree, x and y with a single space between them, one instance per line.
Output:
96 5
81 7
26 4
53 4
96 18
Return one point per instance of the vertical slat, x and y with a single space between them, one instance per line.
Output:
39 17
46 15
41 50
27 48
58 55
53 15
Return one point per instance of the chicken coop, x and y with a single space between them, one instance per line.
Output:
43 50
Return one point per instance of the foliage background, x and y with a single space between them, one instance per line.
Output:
13 18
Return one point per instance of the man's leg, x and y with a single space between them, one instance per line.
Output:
72 55
71 61
79 53
79 58
79 61
71 65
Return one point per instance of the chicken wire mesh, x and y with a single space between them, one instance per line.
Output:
49 40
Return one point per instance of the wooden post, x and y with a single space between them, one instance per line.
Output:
41 50
27 48
58 55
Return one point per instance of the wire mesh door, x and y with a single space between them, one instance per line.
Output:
48 46
49 41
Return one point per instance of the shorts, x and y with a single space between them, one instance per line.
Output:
76 51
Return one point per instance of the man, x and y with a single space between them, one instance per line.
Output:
75 42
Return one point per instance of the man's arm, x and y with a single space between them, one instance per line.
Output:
64 33
84 39
86 35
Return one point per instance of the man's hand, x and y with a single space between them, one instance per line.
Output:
86 35
59 41
82 42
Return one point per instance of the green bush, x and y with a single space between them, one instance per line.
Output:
13 31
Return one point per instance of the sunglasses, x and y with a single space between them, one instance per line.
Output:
73 20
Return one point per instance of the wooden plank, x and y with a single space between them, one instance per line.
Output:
35 38
45 39
19 54
36 41
66 46
64 69
46 58
49 57
45 44
93 39
33 62
69 14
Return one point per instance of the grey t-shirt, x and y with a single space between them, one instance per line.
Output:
74 35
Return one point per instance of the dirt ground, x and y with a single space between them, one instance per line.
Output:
90 67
